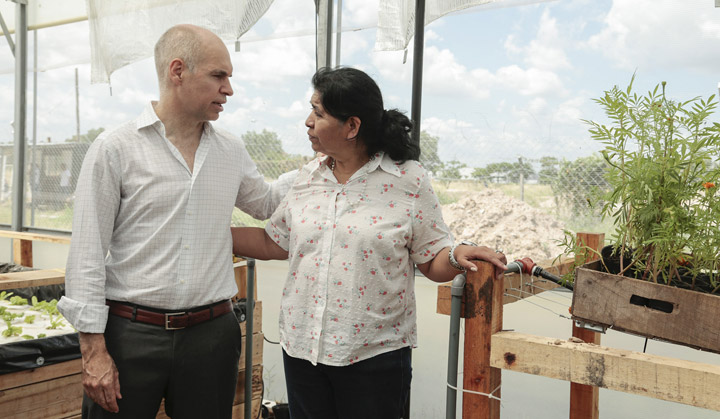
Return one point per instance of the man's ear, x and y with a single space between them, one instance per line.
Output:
176 69
353 124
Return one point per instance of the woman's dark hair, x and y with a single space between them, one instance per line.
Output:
347 92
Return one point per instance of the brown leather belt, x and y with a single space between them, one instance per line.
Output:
171 320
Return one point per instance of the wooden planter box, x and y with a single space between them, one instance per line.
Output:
652 310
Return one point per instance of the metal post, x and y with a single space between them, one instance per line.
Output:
419 45
328 35
338 34
522 180
77 106
20 114
250 307
33 178
457 289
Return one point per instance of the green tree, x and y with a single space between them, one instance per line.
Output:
548 170
579 184
517 168
495 172
264 146
451 169
88 137
429 152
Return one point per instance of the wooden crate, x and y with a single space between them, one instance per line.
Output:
645 308
55 391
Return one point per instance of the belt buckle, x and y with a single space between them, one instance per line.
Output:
167 320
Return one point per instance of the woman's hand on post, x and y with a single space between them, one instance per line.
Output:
464 254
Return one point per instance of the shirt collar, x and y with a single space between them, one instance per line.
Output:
380 160
149 118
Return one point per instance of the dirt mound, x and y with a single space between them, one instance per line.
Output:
491 218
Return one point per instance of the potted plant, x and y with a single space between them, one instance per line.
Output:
662 175
661 193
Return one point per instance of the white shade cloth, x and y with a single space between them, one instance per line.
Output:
122 32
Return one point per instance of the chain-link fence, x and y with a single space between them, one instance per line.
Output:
51 171
569 190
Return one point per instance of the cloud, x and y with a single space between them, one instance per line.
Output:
545 51
532 81
268 63
660 33
442 73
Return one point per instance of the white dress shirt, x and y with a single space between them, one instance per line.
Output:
147 230
350 289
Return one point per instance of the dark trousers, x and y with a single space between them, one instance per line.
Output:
376 388
194 369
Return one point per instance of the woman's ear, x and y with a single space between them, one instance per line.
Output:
353 124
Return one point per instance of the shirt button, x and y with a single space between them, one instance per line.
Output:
187 247
182 281
189 212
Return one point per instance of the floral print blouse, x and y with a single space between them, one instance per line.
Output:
349 294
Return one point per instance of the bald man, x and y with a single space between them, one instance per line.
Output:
149 274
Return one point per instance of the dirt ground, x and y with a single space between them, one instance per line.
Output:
491 218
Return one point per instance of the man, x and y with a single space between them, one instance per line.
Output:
149 273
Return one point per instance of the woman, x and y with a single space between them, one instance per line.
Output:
354 225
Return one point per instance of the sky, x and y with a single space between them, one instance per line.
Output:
498 83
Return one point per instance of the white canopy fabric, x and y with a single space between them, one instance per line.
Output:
396 18
45 13
122 32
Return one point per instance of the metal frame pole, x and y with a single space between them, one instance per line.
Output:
249 309
457 289
419 46
338 34
21 24
328 34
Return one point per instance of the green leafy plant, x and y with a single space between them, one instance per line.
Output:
11 330
49 307
29 319
18 301
4 295
9 317
56 322
662 174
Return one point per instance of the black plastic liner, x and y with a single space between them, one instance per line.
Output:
34 353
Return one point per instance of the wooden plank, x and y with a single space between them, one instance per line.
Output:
47 372
22 253
584 399
22 235
483 296
625 304
257 350
516 287
257 384
44 399
37 278
240 269
655 376
238 411
257 319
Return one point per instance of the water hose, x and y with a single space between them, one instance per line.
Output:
527 266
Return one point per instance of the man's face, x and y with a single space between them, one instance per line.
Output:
205 90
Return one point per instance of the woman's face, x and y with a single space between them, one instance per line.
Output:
327 134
